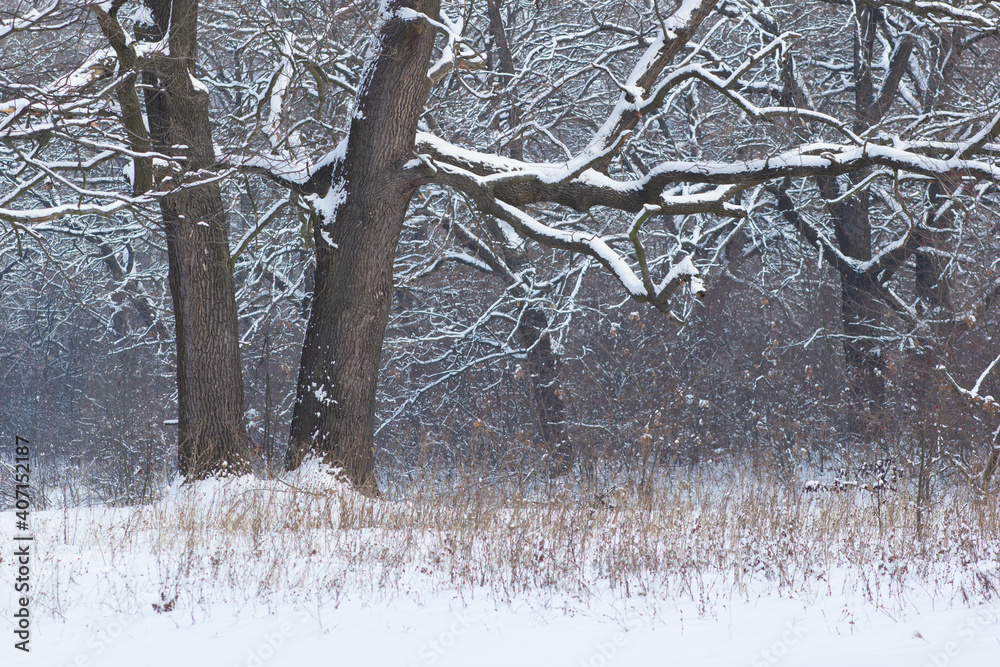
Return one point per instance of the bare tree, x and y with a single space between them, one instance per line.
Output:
212 432
662 145
334 409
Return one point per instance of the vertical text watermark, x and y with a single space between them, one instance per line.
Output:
22 543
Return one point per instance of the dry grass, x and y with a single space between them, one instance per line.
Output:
309 540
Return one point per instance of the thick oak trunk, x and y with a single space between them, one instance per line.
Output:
546 391
212 431
356 232
541 361
864 362
862 309
930 281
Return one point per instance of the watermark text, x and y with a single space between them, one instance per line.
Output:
22 544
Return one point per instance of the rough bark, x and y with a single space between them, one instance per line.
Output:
128 98
507 69
862 307
930 282
212 432
862 312
546 389
541 361
356 234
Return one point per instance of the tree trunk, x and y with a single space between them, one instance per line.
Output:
862 310
930 281
212 432
507 68
865 366
357 229
546 391
542 363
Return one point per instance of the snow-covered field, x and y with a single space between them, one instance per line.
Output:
470 631
301 571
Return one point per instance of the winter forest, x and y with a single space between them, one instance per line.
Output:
476 332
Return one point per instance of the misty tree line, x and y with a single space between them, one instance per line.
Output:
525 234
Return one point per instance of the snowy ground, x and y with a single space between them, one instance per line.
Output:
102 571
448 631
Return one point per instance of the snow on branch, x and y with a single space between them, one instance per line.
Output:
503 186
457 52
76 98
675 32
277 89
298 175
36 215
600 248
959 16
33 20
521 183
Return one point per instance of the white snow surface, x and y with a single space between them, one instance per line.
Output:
197 84
128 171
447 631
142 15
285 165
96 621
280 81
328 206
29 19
